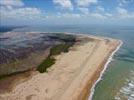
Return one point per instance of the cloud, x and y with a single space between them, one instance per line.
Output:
121 11
15 11
63 15
86 3
98 16
100 9
21 16
77 15
64 4
124 2
21 13
68 15
16 3
108 15
84 10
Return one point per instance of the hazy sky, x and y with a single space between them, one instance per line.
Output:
42 12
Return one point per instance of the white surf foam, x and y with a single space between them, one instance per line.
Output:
127 91
102 72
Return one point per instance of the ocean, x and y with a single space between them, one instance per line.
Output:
117 82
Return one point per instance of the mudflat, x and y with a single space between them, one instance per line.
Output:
72 75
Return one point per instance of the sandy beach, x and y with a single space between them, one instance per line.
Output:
71 77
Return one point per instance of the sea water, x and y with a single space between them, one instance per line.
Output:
118 79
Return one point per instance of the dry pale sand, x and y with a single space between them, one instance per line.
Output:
71 77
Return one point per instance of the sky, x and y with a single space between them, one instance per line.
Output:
66 12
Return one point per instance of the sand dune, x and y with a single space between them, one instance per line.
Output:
71 77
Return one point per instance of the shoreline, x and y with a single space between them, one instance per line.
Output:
79 71
109 60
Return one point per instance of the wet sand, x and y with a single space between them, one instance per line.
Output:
71 77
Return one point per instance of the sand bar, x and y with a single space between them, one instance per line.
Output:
71 77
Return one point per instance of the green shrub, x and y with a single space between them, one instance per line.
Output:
49 61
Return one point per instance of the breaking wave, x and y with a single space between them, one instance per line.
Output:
127 91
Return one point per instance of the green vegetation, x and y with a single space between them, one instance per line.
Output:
56 50
45 64
64 37
66 42
3 76
49 61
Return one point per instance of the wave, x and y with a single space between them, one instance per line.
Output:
102 72
127 91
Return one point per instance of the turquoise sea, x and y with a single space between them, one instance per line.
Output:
118 80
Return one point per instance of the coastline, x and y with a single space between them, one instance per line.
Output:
103 71
88 81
